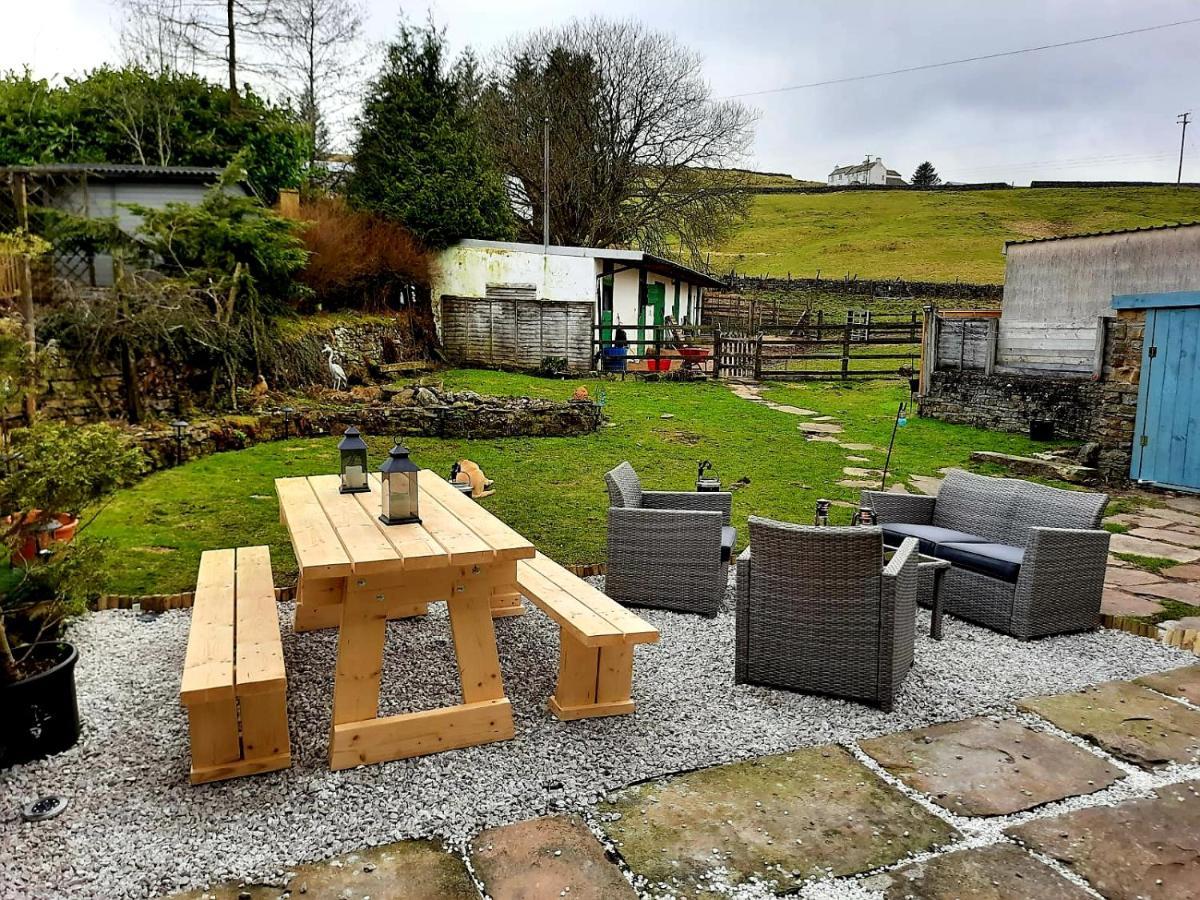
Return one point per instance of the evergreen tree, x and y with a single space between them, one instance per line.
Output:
926 176
420 158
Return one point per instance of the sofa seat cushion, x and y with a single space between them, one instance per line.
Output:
929 537
728 539
999 561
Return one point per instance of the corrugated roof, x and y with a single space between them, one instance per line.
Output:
1087 234
119 169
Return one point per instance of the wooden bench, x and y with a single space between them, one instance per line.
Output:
597 637
234 669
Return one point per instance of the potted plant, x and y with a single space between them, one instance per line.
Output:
62 470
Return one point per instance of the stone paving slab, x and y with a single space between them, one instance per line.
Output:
1129 721
1180 537
1140 520
1127 577
998 872
779 818
408 870
1185 572
858 447
1183 591
548 857
926 484
1127 543
1119 602
985 767
1184 682
820 427
1185 504
1138 849
792 410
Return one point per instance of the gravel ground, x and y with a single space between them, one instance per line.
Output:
136 828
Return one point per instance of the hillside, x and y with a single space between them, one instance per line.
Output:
930 236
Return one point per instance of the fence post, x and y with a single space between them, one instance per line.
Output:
717 351
846 351
758 357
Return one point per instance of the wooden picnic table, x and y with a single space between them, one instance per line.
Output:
356 573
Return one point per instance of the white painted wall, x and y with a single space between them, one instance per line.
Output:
467 271
877 174
1056 291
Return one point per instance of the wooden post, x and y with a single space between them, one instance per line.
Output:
846 351
758 344
717 351
25 277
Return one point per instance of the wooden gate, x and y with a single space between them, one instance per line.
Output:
737 356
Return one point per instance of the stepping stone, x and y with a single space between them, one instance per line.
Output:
859 483
812 812
1131 722
825 419
857 472
408 870
857 459
746 392
792 410
1177 518
1139 520
545 858
998 872
1183 539
984 767
1128 543
1148 848
1118 602
1187 573
821 438
1127 577
826 428
1115 563
926 484
1181 591
1183 683
857 446
1185 504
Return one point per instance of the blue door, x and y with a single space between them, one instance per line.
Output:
1166 444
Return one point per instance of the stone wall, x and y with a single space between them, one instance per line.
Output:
879 288
1101 413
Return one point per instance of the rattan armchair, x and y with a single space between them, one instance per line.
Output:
818 611
667 549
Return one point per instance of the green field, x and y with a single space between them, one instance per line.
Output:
929 236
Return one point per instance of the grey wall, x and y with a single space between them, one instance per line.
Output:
1055 291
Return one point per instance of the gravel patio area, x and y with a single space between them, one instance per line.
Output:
136 828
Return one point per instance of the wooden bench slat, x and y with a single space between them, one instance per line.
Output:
558 604
208 663
634 628
259 667
368 549
503 539
318 550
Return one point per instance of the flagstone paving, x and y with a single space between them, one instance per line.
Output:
1171 536
548 857
1129 721
1127 543
1184 592
1119 602
829 428
990 767
1186 572
780 819
1184 682
1126 577
1146 848
998 872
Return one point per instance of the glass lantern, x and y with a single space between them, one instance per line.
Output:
399 475
353 452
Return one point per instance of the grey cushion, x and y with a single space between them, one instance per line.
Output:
728 539
929 537
1001 561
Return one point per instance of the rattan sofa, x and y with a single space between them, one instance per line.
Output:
667 549
1026 559
818 611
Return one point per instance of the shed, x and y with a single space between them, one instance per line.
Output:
513 304
102 190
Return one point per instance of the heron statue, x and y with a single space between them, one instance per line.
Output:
336 372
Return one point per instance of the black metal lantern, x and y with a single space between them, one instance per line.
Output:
180 427
399 501
287 420
352 450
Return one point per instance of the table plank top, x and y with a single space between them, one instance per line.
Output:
331 530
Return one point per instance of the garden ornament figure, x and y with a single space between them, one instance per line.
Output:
336 372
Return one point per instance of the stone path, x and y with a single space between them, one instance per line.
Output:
1109 807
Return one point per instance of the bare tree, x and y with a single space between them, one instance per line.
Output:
319 57
154 36
640 151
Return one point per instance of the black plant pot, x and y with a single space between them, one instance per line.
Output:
41 713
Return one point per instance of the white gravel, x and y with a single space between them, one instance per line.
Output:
136 828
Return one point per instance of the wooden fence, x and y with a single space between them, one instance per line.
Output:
10 276
517 332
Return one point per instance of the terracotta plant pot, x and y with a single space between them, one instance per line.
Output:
28 550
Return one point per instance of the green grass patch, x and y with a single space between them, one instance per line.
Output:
1116 528
1155 564
1172 610
549 489
929 236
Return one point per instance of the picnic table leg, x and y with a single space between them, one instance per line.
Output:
506 597
359 657
470 609
318 603
592 681
213 730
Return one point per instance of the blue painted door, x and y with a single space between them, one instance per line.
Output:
1166 445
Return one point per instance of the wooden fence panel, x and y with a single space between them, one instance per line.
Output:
512 330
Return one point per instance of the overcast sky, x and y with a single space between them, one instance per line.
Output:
1104 110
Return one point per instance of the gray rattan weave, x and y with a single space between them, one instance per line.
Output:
1061 579
664 547
818 612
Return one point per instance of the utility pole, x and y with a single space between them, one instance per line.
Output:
546 185
1182 119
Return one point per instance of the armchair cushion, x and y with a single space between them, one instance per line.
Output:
728 539
1000 561
929 537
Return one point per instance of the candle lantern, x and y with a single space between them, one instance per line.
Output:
352 450
822 515
287 420
179 428
706 483
399 503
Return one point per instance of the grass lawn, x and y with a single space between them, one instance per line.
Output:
549 489
935 236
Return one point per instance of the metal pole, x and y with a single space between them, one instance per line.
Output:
546 185
1182 119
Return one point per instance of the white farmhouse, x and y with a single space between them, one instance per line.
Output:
512 304
869 171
